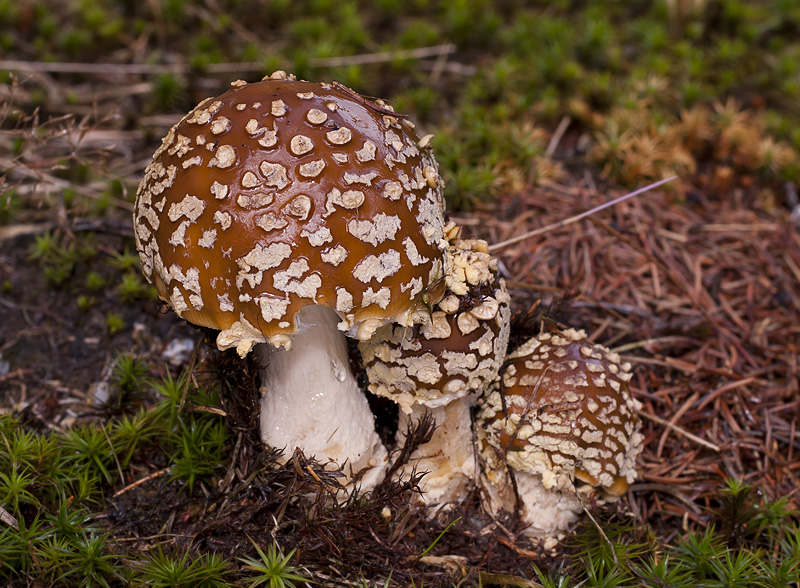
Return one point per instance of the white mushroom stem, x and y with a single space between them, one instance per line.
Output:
311 400
544 513
449 457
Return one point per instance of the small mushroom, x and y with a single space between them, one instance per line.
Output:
561 420
441 365
285 214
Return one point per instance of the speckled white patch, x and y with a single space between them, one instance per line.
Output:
367 152
300 145
312 169
382 297
271 221
265 257
344 300
299 207
225 304
223 219
278 108
224 158
286 280
272 308
392 190
196 160
316 116
270 139
349 199
365 179
378 230
378 267
178 236
254 201
220 191
178 302
220 125
319 237
274 174
250 180
208 238
191 207
334 255
340 136
412 253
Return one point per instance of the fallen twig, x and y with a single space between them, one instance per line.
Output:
681 431
138 483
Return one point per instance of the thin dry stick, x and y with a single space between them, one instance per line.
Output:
8 519
214 68
576 218
144 480
418 53
556 138
681 431
599 528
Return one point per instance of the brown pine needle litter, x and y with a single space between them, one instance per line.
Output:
701 295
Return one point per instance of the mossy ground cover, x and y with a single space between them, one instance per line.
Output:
128 454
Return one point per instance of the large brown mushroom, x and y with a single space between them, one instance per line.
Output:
284 214
441 365
561 421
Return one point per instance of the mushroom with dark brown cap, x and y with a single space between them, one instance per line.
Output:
562 420
441 365
284 214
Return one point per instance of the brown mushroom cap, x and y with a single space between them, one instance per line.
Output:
283 193
459 347
565 412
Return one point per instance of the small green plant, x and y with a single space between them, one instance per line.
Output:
114 323
124 260
272 568
85 302
131 288
168 91
90 450
95 282
183 571
45 248
87 561
438 537
129 373
15 489
199 450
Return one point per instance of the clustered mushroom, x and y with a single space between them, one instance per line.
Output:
283 214
441 365
287 214
561 422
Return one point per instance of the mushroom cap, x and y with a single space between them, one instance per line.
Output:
283 193
565 412
460 345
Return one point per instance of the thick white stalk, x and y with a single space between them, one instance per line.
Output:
311 400
449 457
